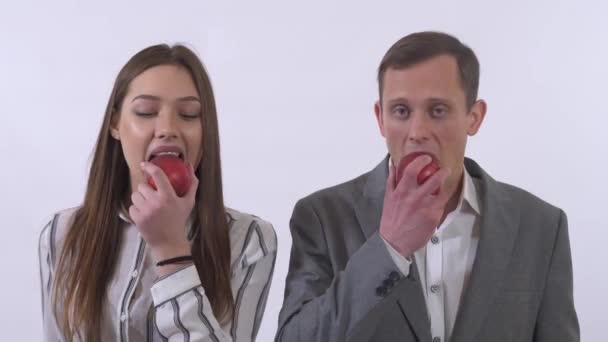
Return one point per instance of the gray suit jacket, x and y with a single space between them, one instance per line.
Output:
343 285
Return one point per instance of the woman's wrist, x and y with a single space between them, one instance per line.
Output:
163 253
182 259
162 271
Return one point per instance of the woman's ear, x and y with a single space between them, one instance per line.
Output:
114 132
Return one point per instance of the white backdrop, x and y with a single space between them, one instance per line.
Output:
295 85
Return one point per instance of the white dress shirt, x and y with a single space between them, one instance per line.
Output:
141 307
445 263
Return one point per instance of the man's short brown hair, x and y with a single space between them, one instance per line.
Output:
421 46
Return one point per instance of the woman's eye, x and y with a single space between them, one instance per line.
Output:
190 115
144 114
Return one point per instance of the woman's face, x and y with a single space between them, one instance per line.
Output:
161 113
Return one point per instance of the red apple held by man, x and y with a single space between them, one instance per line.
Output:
427 171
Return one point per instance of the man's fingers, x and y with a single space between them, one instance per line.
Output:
409 178
435 182
391 182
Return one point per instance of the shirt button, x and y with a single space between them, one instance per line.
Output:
123 317
436 339
435 240
435 288
381 291
134 274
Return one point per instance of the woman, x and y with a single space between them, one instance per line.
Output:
139 263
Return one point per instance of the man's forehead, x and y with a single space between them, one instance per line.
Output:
436 78
442 67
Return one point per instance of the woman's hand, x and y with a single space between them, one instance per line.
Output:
161 216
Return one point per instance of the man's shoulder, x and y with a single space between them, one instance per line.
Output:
522 198
536 214
528 201
343 193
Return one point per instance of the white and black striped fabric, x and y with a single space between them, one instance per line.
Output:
141 307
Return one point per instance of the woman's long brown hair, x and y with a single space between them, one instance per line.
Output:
89 254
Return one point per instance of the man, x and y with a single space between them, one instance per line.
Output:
459 257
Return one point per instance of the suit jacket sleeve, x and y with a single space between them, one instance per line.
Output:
322 303
557 320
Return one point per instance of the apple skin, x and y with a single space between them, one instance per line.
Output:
176 171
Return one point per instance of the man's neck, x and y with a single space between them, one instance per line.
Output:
456 193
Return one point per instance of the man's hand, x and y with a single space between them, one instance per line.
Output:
412 212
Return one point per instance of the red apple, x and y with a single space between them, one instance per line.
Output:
426 172
176 172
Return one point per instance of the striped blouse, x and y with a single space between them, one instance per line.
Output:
141 307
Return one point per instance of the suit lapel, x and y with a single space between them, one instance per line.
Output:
368 209
498 230
369 213
368 205
412 305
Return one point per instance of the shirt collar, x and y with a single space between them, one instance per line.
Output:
123 213
469 193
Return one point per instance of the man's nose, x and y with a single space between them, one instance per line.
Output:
419 128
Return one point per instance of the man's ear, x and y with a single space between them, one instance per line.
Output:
476 116
379 118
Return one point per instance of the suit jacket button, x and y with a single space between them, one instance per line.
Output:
381 291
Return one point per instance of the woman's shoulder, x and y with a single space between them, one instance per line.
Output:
55 229
238 219
249 233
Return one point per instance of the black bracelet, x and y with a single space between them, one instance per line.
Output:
176 260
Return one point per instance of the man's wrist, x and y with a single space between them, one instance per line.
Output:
405 252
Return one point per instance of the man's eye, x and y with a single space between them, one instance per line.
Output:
401 111
439 111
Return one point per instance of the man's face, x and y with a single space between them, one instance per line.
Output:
424 108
